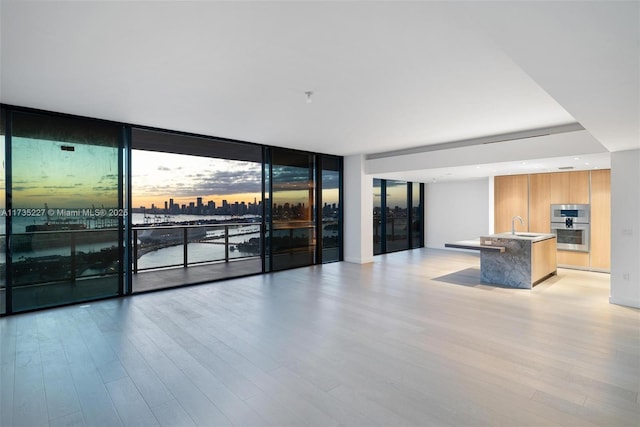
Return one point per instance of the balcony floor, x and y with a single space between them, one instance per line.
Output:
167 278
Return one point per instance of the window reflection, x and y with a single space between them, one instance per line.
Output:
3 228
331 214
397 218
397 230
293 234
416 214
65 210
378 226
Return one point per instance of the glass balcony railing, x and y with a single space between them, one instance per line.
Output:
158 247
54 256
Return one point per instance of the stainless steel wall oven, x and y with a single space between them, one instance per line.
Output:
570 224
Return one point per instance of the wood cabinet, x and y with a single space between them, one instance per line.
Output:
601 219
573 259
569 187
531 196
511 198
543 259
540 203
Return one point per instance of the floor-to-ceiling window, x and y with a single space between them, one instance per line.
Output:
397 215
293 217
331 208
196 203
65 186
98 209
417 224
3 210
378 208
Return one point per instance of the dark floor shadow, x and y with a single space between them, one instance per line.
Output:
468 277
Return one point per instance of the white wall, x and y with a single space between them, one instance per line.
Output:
457 210
358 211
625 228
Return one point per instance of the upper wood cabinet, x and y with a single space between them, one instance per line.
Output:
601 219
569 187
540 203
511 198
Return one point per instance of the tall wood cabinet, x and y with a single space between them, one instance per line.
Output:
511 198
531 196
539 203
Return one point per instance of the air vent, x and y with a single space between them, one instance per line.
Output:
565 168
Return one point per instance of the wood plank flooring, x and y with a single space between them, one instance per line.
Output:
411 339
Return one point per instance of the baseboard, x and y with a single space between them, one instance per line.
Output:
624 301
359 260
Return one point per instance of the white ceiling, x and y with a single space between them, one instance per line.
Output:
384 75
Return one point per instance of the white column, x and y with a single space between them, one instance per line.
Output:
625 228
358 211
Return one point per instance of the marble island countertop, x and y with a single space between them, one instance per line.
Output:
532 237
519 260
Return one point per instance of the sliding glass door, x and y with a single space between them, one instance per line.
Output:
197 204
331 208
293 227
96 209
398 222
66 213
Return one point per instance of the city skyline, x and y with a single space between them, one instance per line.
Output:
158 177
199 206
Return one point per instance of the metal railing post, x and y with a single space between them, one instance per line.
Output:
74 261
135 251
185 243
226 243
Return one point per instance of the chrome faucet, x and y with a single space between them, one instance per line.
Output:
513 223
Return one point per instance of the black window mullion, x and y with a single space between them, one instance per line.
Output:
410 215
318 208
126 288
383 216
8 205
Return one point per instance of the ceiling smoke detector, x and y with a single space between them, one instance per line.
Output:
308 94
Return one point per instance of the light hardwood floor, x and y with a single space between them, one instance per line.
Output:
412 339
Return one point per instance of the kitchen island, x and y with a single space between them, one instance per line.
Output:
528 259
519 260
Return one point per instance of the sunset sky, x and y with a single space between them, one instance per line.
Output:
75 175
42 173
157 177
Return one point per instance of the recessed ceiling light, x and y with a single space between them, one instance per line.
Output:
576 158
586 163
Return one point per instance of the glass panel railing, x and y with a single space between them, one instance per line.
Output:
45 257
293 244
397 236
158 247
57 267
